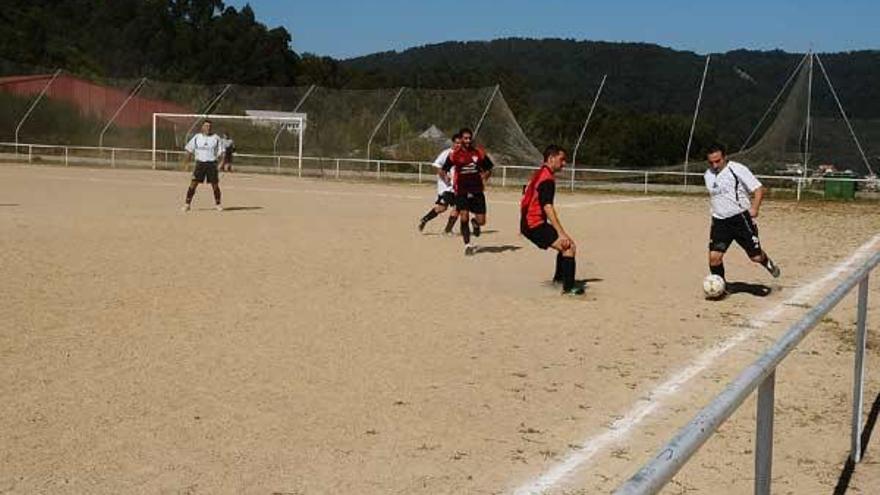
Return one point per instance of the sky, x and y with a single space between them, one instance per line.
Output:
350 28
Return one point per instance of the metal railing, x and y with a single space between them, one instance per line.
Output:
761 375
634 180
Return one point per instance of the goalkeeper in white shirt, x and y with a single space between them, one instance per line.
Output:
207 149
730 186
445 193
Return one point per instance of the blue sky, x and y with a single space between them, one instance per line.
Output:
348 28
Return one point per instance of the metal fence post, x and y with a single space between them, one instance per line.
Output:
66 157
277 164
859 373
646 182
420 172
30 154
337 168
113 158
503 176
799 185
764 435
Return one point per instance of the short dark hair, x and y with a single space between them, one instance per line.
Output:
712 148
455 136
552 150
207 121
465 130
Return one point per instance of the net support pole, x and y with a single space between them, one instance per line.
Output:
34 105
809 124
577 145
687 151
486 110
131 95
843 114
295 109
207 110
381 121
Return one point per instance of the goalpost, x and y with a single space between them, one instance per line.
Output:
257 134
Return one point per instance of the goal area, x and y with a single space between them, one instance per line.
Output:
264 138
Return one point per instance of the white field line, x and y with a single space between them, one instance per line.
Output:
620 429
182 185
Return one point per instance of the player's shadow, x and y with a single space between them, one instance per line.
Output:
241 208
496 249
757 290
9 204
849 467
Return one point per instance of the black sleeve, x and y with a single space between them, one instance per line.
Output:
486 164
447 165
546 191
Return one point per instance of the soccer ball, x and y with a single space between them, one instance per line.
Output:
713 286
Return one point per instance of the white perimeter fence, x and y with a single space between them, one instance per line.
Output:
644 181
761 375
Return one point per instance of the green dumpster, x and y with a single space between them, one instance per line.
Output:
840 185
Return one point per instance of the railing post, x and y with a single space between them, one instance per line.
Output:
799 182
66 158
299 167
30 154
277 164
764 435
337 168
572 179
420 172
646 182
379 169
113 158
859 373
503 176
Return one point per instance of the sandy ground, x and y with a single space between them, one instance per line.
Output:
309 340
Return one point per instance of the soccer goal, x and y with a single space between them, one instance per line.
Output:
261 138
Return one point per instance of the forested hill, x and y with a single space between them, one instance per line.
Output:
176 40
546 81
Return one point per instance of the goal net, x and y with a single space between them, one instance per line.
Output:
258 140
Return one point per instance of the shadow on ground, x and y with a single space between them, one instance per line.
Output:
849 467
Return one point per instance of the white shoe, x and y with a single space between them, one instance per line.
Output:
470 250
185 208
218 207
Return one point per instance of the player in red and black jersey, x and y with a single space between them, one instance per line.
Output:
540 224
471 168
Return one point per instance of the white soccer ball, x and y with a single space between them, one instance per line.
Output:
713 286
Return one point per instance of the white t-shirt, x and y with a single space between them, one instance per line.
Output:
205 148
227 143
443 187
730 189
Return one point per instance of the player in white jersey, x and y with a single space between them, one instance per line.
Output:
730 186
228 152
445 192
207 149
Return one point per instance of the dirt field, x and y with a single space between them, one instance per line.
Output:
310 341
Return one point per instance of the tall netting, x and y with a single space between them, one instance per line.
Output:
807 128
504 138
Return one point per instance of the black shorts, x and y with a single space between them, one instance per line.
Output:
446 199
740 228
206 172
543 235
472 202
228 157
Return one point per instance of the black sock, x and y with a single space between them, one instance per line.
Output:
217 195
476 227
466 232
557 275
429 216
568 272
717 270
450 223
189 194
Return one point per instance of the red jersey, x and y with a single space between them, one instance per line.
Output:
466 166
531 209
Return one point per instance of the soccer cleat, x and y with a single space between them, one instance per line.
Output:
422 225
218 207
476 229
185 207
577 290
774 269
448 233
470 250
